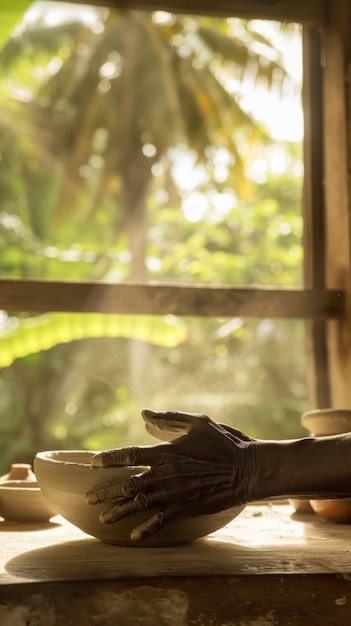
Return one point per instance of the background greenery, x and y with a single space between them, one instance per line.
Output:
126 153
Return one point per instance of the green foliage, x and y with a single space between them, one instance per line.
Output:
11 15
22 337
93 124
254 243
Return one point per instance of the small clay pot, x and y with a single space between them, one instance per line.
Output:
322 423
333 510
301 506
24 504
21 472
21 499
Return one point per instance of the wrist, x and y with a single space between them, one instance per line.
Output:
308 467
276 470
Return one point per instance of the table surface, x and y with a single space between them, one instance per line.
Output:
264 539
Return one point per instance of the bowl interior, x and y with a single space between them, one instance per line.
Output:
65 476
327 421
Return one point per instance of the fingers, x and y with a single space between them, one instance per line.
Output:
141 502
174 423
165 425
163 435
123 489
150 526
112 491
164 480
170 481
118 456
154 524
131 456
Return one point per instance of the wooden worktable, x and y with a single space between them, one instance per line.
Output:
268 567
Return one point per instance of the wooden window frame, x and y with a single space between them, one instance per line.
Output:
324 300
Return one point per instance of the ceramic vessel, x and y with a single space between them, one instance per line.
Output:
301 505
333 510
21 472
21 499
65 477
321 423
324 422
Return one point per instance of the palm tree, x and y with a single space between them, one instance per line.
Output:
145 82
117 98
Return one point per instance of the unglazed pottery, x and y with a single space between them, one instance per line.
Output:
21 472
21 499
301 505
333 510
66 476
324 422
321 423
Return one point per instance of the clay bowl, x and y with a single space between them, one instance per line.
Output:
333 510
65 477
324 422
301 506
24 503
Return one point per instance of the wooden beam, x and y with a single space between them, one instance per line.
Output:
337 112
304 11
319 392
159 299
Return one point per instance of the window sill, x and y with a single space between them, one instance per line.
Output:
264 539
268 567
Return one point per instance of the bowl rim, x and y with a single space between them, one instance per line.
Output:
322 413
324 422
29 490
49 456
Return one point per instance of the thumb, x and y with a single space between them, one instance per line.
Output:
170 425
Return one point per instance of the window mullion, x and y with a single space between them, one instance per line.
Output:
314 214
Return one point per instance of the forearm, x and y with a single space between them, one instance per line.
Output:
309 467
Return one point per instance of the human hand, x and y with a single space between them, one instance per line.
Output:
206 468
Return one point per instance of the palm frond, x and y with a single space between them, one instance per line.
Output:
34 40
42 332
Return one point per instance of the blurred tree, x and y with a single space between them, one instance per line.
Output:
11 15
93 117
114 100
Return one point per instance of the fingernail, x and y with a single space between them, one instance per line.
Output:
148 413
106 517
96 461
136 535
91 498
